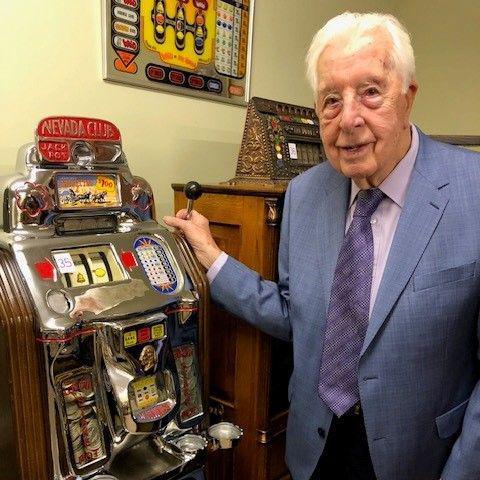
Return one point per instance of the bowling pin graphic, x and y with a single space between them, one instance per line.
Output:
180 26
200 33
159 20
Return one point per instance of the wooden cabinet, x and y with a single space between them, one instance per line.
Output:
249 370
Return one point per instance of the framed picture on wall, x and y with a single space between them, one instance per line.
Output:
191 47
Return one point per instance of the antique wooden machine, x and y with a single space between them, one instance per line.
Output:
279 141
102 320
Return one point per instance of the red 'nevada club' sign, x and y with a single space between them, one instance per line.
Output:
78 128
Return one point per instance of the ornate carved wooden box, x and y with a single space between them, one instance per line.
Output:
279 141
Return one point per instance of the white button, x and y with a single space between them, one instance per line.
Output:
373 220
58 301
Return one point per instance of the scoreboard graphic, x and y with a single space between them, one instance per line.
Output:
192 47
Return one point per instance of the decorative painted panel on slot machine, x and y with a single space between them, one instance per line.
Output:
102 340
192 47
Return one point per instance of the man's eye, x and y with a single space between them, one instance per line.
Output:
372 91
330 102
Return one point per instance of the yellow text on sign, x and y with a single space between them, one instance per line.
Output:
130 338
158 331
105 183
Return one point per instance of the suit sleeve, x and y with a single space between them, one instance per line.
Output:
464 460
262 303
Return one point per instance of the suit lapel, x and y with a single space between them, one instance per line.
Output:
424 206
332 226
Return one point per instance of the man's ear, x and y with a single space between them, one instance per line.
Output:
410 95
409 98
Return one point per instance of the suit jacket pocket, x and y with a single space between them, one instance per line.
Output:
454 274
451 421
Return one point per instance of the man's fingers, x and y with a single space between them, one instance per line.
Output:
182 214
174 221
191 223
194 215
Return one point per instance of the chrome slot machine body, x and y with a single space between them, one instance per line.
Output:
101 318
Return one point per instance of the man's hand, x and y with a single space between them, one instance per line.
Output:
197 231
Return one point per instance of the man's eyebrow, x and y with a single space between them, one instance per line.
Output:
376 80
325 90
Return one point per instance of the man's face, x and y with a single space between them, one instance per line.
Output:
364 116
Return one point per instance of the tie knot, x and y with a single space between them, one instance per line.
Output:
367 202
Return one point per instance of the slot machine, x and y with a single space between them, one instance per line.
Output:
102 339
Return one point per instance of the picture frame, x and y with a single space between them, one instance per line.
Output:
200 48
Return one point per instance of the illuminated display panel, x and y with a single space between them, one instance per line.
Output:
156 264
81 267
87 191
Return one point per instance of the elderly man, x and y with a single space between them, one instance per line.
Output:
378 275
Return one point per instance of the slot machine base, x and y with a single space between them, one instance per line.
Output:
196 475
144 462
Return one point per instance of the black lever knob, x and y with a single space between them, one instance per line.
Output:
192 191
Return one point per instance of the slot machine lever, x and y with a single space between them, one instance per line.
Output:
193 191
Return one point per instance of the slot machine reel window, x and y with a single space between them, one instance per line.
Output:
81 267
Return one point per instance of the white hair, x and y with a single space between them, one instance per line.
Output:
354 26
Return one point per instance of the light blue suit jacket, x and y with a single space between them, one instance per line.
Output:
419 368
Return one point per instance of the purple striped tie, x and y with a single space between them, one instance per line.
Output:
348 310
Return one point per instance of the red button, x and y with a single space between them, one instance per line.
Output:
176 77
155 73
128 259
196 81
46 270
143 334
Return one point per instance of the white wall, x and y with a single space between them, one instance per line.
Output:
446 39
51 64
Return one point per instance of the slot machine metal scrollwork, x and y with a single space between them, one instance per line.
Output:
101 320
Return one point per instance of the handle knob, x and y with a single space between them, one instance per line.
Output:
192 191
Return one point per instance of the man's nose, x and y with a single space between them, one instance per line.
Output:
351 115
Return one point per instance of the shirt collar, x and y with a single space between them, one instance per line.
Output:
395 185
